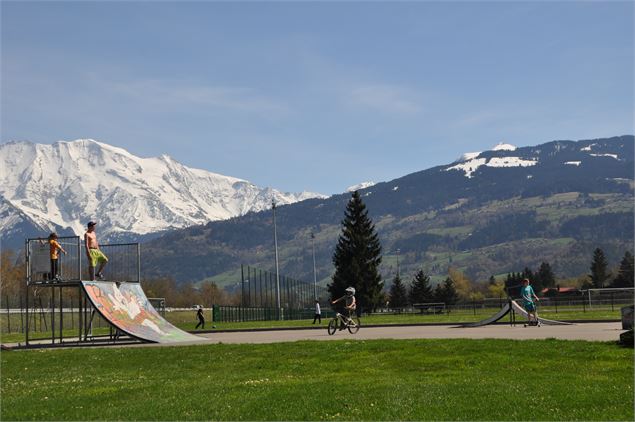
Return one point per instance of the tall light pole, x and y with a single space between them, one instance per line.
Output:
314 272
398 275
275 241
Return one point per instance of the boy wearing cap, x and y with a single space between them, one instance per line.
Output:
94 254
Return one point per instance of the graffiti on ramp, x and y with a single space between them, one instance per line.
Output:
127 308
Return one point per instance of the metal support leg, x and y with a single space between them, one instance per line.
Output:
80 320
61 317
26 338
52 312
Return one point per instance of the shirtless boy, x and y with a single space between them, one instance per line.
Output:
94 254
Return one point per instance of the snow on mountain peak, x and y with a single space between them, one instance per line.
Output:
68 183
467 157
360 186
501 146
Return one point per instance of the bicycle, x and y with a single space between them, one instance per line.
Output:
351 323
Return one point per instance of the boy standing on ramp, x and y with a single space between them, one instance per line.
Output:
94 254
528 295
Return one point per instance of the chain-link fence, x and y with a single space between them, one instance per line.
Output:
124 261
259 288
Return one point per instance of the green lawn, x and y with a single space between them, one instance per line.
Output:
334 380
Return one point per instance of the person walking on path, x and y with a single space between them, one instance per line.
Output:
528 296
94 254
55 247
201 318
318 313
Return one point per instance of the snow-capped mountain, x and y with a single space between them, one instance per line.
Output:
507 155
504 209
360 186
64 185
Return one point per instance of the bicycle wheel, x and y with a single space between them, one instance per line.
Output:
353 325
332 328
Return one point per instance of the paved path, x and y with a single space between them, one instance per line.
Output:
604 331
592 331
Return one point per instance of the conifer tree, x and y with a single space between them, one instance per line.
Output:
420 290
545 275
357 257
438 294
450 295
398 293
626 273
599 274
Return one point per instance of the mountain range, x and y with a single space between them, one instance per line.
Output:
60 187
487 213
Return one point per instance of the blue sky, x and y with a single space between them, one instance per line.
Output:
316 95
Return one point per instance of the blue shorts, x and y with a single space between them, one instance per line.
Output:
529 306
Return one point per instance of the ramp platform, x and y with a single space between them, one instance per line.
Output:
126 307
512 305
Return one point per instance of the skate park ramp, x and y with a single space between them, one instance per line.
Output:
509 306
520 310
504 311
126 307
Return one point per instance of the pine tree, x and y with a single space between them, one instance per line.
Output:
626 273
599 274
449 292
545 275
420 290
357 257
438 295
398 293
513 284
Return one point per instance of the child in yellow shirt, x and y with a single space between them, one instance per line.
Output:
54 248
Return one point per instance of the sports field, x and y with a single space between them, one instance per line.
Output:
455 379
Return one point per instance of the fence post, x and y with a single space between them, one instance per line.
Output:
242 284
8 314
21 316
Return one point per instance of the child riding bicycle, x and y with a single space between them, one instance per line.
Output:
349 306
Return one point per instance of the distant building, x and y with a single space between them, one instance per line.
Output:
560 291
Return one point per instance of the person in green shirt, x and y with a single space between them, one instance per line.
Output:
528 296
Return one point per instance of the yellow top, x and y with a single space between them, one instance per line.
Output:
54 248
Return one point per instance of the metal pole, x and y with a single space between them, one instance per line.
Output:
8 314
52 312
398 273
26 338
138 263
260 284
79 259
21 316
61 315
275 240
79 314
242 285
314 272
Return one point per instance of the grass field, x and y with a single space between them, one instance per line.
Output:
336 380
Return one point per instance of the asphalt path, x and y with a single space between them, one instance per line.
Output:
596 331
605 331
